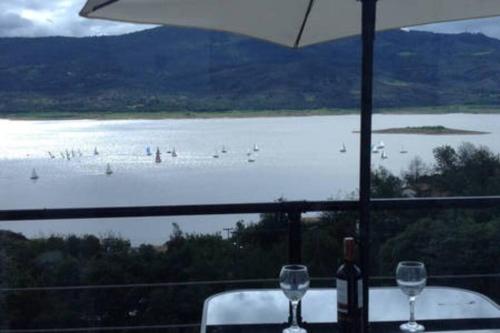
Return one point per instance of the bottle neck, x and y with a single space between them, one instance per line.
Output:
348 250
348 261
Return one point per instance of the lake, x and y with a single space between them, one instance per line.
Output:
298 159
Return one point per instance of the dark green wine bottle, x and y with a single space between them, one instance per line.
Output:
349 292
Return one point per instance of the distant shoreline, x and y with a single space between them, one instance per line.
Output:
55 115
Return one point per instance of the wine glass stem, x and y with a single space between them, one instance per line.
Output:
294 314
412 310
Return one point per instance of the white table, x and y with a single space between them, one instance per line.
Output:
269 306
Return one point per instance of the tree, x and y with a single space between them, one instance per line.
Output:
446 159
385 184
416 170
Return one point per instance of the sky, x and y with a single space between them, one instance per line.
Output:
35 18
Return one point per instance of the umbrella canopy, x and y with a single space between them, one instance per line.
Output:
293 23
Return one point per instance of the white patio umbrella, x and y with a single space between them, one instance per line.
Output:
297 23
293 23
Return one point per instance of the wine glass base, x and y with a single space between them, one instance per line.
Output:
294 330
412 327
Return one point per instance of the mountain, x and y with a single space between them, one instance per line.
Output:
182 69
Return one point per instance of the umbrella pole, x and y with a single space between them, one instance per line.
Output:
368 39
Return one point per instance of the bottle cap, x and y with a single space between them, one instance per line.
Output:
349 248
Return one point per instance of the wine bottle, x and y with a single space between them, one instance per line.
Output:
349 292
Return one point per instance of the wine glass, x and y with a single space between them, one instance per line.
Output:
294 281
411 277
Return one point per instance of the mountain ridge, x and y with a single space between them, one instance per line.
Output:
180 69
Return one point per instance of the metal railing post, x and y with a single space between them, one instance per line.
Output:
294 250
294 238
368 20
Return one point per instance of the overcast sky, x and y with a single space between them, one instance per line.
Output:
31 18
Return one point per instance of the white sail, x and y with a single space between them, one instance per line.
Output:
158 155
34 175
343 149
108 170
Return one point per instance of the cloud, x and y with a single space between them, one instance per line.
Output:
33 18
13 22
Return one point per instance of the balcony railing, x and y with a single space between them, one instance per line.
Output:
292 209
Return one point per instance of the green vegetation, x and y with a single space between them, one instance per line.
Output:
449 242
173 70
406 54
443 109
108 115
174 114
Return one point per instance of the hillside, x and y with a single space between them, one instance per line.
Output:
175 69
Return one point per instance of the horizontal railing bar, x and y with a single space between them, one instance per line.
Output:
437 277
100 329
217 282
138 285
436 203
246 208
180 210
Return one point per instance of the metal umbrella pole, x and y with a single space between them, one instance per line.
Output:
368 39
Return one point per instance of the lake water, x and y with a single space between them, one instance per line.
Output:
298 159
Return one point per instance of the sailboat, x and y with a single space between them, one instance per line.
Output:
216 155
403 150
381 145
251 159
95 151
158 155
80 153
384 156
174 153
148 151
108 170
375 150
73 154
68 156
255 148
51 155
224 149
343 149
34 175
62 155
